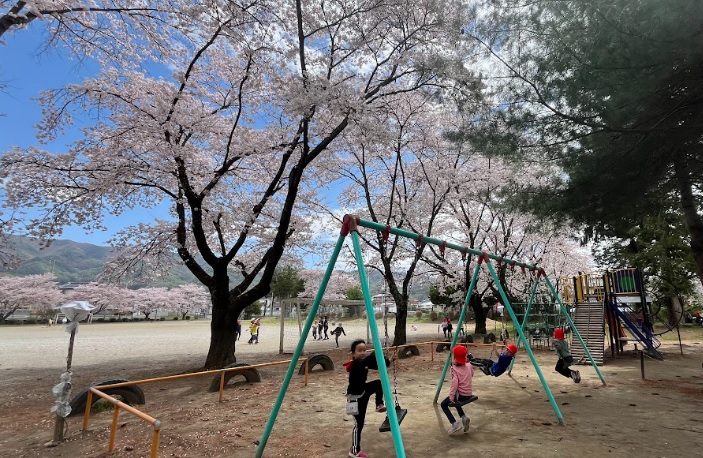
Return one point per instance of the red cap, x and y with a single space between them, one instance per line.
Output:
460 353
559 334
511 348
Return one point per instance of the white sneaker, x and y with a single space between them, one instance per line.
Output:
465 421
456 427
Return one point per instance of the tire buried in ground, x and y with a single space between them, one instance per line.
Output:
131 395
443 346
467 339
489 338
323 361
251 375
408 351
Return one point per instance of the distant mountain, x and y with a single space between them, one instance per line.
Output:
82 262
73 261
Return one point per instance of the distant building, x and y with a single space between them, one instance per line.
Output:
71 286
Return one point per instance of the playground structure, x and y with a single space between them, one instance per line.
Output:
616 299
350 226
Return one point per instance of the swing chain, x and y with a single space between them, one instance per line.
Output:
387 340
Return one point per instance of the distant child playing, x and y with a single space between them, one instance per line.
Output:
496 369
360 391
461 389
254 331
565 359
336 332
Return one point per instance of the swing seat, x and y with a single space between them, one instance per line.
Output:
464 402
386 425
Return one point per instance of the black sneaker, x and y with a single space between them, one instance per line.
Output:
576 376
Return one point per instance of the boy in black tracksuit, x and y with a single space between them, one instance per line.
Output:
336 332
361 390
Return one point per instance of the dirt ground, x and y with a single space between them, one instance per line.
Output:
656 417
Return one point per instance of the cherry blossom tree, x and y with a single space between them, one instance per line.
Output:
87 23
8 258
189 298
478 216
224 125
101 296
339 283
401 176
182 300
39 293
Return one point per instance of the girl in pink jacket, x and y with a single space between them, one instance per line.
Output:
461 389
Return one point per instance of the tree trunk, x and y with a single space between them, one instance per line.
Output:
694 222
400 299
222 326
401 322
480 313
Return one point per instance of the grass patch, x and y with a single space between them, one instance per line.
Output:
101 406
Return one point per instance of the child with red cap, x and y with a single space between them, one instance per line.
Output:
461 389
565 359
496 369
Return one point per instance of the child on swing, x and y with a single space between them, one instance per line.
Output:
496 369
461 390
359 391
565 359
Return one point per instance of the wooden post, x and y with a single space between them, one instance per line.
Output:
300 320
678 331
60 424
283 312
642 363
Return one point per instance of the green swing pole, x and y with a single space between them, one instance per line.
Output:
524 319
527 345
474 279
565 311
382 370
301 343
433 241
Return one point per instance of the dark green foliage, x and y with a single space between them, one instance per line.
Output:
606 95
252 310
286 283
659 245
444 295
354 293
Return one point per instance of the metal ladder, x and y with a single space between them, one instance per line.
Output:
589 321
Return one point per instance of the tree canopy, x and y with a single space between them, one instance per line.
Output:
227 113
607 96
287 283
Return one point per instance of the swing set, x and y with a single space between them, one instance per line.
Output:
350 225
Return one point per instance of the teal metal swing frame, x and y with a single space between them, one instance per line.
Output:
350 225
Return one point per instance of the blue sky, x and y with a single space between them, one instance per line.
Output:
26 71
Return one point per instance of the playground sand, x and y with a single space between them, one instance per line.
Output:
656 417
